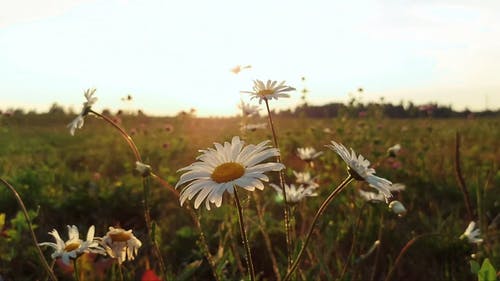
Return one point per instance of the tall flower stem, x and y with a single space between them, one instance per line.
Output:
353 242
248 255
196 221
267 239
404 250
282 184
30 226
313 224
460 178
75 270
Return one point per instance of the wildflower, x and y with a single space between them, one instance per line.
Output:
304 178
295 194
308 153
226 167
77 123
393 150
144 169
169 128
74 246
372 196
472 234
253 127
358 168
121 244
248 110
398 208
270 90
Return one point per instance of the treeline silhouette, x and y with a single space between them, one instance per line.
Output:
410 110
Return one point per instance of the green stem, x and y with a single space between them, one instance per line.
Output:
353 242
75 270
30 226
313 224
120 271
282 185
248 255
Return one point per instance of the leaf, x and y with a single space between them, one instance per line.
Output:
474 267
487 272
2 220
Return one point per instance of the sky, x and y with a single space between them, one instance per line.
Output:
176 55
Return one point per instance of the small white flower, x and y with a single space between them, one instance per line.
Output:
248 110
144 169
393 150
295 194
358 168
270 90
305 178
77 123
253 127
121 244
472 234
226 167
308 153
74 246
398 208
372 196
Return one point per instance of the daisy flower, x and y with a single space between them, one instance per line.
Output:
295 194
270 90
225 167
393 150
308 153
121 244
77 123
248 110
472 234
372 196
305 178
143 169
74 246
358 168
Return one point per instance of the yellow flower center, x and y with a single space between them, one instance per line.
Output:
227 172
73 245
265 92
121 236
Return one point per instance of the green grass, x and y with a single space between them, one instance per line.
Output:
90 179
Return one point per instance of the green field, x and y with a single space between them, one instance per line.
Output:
90 179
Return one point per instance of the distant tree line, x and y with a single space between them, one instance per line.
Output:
359 110
332 110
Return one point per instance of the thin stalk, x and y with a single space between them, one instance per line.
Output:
353 242
267 239
30 226
75 270
460 178
147 218
123 133
377 254
313 224
120 271
282 184
248 255
404 250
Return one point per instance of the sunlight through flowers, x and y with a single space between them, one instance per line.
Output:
121 244
74 246
358 168
270 90
225 167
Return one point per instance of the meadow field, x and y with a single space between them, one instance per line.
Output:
91 178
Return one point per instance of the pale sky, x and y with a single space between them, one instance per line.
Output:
177 55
